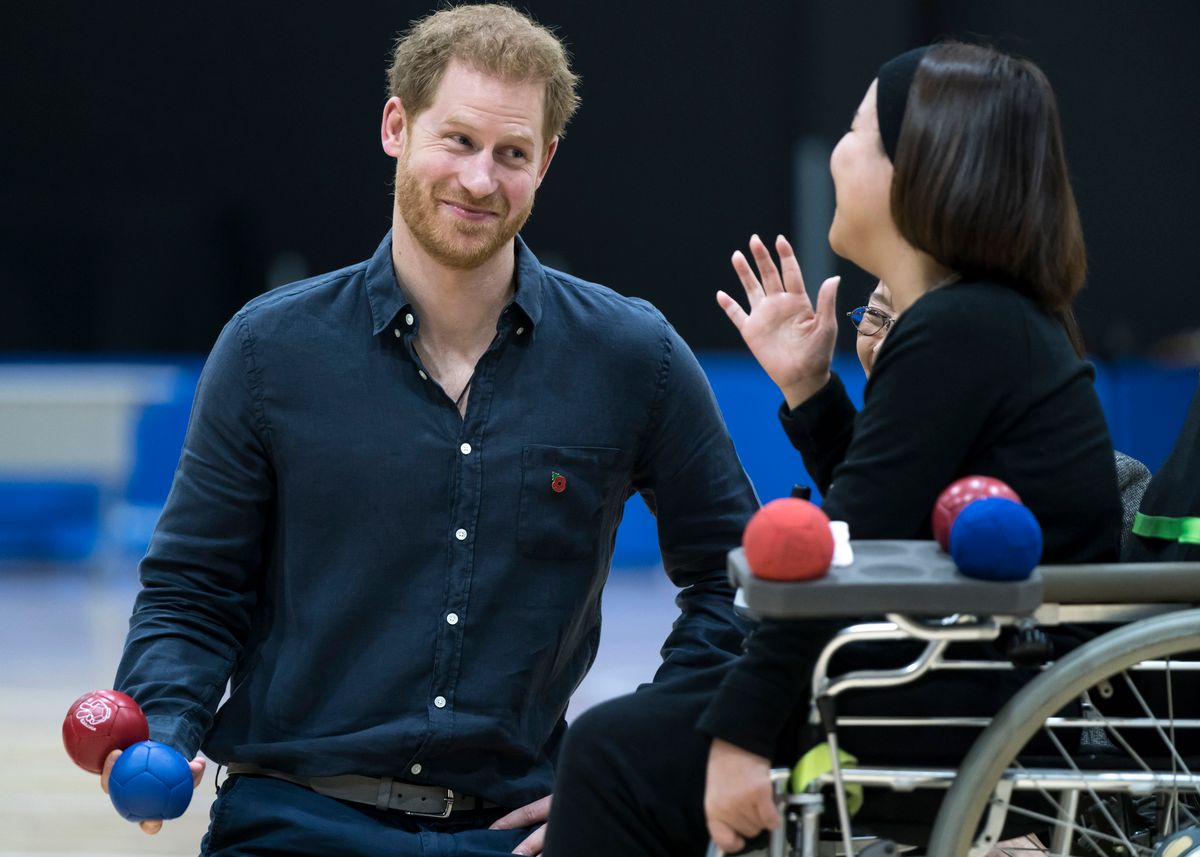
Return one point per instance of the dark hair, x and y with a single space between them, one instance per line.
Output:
981 180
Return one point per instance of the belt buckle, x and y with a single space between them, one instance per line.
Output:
445 813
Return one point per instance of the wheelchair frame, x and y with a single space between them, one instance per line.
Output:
936 605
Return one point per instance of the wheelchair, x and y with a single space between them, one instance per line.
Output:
1097 754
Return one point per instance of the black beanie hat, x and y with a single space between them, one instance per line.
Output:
891 95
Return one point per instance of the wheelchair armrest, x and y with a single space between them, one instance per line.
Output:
1119 583
914 578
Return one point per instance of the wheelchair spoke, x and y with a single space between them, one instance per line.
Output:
1072 826
1179 805
1173 814
1177 762
1115 733
1062 751
1108 821
1094 837
1108 790
1178 759
1175 807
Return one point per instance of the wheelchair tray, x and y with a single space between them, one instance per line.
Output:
914 578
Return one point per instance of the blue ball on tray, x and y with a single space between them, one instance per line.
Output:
996 539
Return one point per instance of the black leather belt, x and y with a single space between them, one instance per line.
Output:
379 792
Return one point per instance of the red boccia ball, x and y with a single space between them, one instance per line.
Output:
957 495
788 539
98 723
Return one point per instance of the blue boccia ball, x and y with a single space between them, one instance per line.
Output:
996 539
150 780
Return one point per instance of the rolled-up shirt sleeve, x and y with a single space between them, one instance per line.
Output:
692 479
202 568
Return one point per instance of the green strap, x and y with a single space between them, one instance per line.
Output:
819 761
1183 530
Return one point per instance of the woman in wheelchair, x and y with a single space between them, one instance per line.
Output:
952 188
872 323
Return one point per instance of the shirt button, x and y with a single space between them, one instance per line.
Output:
408 319
416 769
452 618
520 330
421 372
439 701
465 449
460 534
397 332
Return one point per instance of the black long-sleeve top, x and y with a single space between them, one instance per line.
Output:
398 590
973 379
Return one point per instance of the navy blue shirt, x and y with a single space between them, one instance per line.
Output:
395 589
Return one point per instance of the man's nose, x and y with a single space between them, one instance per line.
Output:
478 175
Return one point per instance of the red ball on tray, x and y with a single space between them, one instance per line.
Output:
957 495
98 723
788 539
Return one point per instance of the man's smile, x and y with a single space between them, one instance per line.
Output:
468 211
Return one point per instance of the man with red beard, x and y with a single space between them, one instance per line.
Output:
397 499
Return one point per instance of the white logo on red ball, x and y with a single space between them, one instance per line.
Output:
94 711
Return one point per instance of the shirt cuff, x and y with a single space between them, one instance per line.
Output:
175 732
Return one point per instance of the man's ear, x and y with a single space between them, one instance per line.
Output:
394 128
551 148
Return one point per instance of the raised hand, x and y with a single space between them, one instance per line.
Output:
791 341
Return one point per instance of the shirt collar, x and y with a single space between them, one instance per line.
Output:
383 292
531 281
387 298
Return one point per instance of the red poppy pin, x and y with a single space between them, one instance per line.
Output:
558 482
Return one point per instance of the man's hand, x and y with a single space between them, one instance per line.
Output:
790 339
527 816
151 827
738 800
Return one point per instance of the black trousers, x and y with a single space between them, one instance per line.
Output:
631 775
631 772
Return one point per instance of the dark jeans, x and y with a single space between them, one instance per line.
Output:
264 816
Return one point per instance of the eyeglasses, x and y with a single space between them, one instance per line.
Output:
870 321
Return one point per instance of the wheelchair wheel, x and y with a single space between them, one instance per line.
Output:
1100 753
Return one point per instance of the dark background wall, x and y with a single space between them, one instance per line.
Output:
162 164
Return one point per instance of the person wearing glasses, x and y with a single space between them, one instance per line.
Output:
952 188
872 322
829 419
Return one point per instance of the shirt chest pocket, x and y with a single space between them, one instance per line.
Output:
564 490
